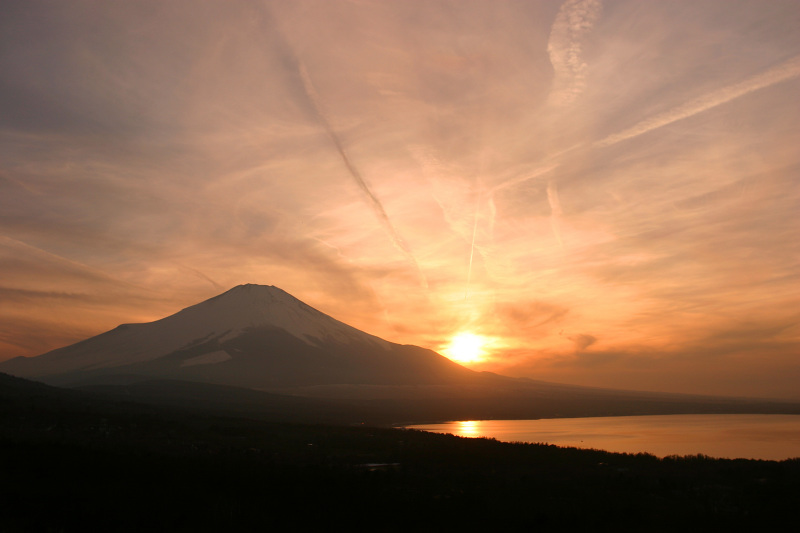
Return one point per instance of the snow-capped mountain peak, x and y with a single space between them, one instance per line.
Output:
222 317
248 306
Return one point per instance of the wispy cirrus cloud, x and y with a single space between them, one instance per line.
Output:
574 22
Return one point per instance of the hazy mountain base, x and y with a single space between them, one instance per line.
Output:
320 369
287 361
494 397
78 462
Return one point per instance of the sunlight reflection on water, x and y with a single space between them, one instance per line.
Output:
773 437
469 428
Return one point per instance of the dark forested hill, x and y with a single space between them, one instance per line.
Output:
72 462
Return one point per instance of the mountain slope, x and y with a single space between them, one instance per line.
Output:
252 336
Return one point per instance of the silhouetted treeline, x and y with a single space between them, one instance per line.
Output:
74 465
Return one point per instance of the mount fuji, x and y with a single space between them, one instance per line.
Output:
213 354
251 336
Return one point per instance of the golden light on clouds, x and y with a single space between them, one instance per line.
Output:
605 189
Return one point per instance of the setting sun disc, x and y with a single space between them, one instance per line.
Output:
466 347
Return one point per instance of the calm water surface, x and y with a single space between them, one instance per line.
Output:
774 437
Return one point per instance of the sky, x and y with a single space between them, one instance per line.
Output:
603 193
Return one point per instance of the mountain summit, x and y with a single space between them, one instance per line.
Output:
252 335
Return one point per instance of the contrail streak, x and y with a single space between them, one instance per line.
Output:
373 201
472 250
201 275
555 210
785 71
540 171
315 103
83 268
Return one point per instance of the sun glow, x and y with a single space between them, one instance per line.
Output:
466 348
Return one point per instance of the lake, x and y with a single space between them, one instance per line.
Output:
774 437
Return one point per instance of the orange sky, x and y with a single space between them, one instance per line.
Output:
607 191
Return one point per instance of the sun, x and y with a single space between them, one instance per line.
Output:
466 347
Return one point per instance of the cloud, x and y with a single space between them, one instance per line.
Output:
582 341
574 22
529 316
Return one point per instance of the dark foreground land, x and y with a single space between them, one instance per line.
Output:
71 462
